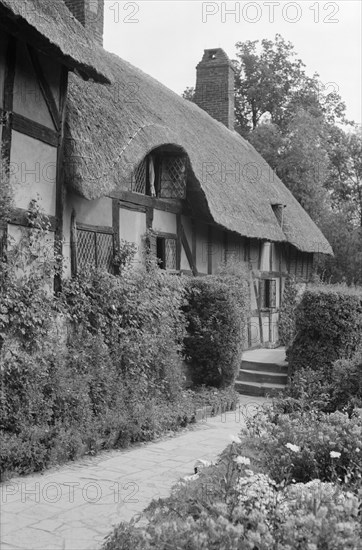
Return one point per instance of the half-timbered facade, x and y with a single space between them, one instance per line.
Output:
143 165
35 59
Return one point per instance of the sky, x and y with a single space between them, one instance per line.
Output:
166 38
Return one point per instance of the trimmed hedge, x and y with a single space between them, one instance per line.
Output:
215 324
286 324
328 327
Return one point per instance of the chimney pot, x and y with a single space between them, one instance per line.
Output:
215 76
90 13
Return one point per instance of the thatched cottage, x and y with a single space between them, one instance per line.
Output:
134 157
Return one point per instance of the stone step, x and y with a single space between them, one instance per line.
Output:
260 377
263 389
281 367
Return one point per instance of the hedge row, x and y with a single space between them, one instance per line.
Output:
328 327
115 376
216 312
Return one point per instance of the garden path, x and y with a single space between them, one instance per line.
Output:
73 507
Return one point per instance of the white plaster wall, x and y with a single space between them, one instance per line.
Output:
265 256
132 228
164 222
33 172
42 250
96 212
254 254
235 247
217 249
201 247
28 98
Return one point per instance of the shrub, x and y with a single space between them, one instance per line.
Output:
216 321
229 506
300 447
286 323
328 327
346 386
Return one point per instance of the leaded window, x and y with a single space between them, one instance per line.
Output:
139 178
173 177
95 249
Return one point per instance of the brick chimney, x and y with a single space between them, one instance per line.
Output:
90 13
214 90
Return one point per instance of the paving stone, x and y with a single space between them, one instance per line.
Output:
125 482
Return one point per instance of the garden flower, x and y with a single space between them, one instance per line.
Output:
292 447
242 460
235 439
334 454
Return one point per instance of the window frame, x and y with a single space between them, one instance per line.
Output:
268 293
95 230
158 160
159 235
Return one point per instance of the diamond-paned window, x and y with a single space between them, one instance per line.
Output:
94 249
173 178
165 249
139 178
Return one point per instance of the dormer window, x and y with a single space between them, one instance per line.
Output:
278 210
161 175
172 181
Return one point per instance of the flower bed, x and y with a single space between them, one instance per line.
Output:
233 506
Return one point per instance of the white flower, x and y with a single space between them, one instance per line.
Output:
292 447
191 478
334 454
242 460
235 439
249 472
358 450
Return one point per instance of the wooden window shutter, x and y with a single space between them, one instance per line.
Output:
262 296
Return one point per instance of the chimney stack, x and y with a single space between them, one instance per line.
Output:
214 91
90 13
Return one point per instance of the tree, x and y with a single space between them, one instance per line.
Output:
271 79
345 178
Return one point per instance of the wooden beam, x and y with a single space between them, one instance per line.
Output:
226 246
209 250
149 218
73 244
194 242
35 130
60 177
95 228
187 250
20 216
175 206
56 116
5 113
115 226
179 232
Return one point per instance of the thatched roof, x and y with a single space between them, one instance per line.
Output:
111 128
53 29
